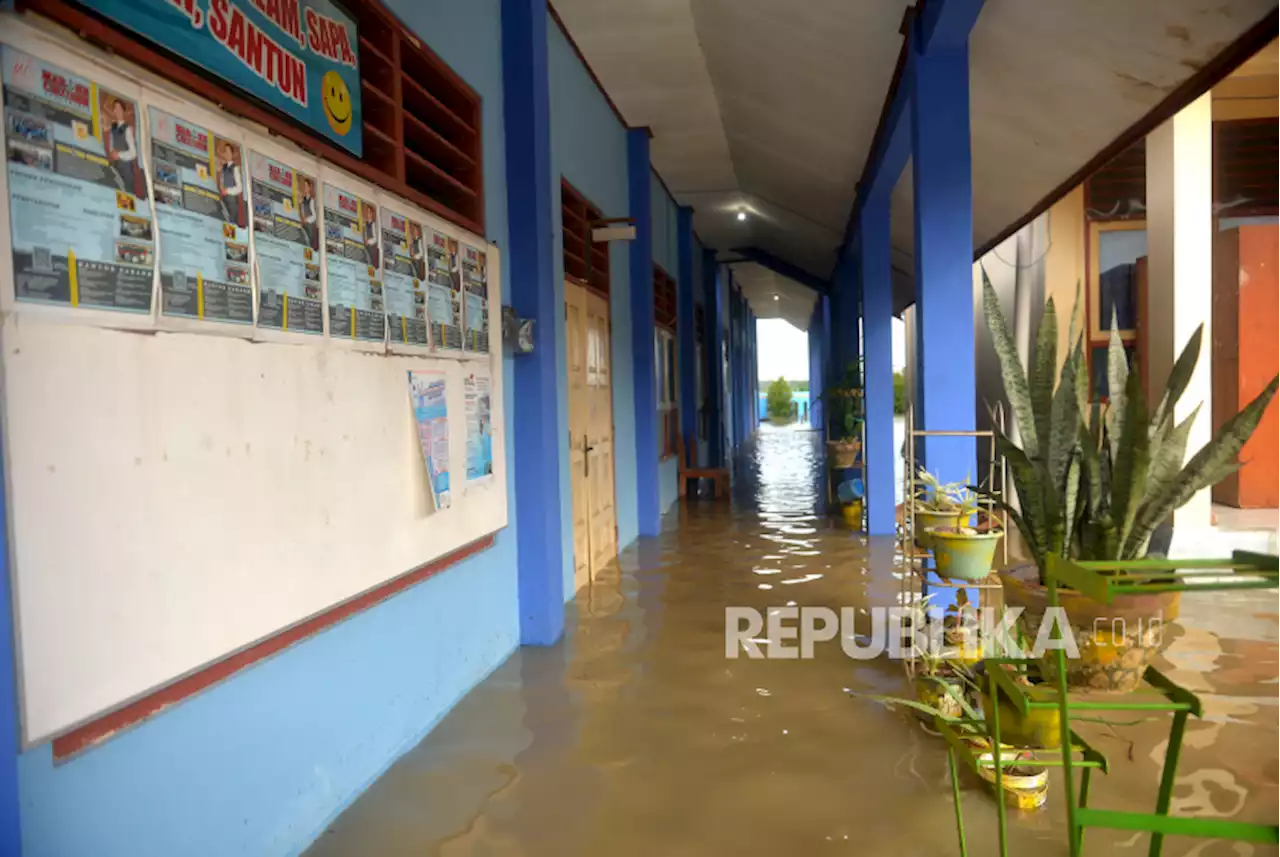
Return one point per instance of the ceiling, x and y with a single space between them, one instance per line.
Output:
769 108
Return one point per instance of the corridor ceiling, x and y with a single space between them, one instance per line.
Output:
769 109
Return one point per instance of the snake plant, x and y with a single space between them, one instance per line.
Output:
1094 481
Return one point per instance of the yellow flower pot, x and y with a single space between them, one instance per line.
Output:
852 514
925 521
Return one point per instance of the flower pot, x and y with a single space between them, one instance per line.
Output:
1040 728
1024 786
852 514
932 694
963 554
925 520
842 454
1116 641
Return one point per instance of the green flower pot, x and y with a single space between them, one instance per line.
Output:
925 520
963 555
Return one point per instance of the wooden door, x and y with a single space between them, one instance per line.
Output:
575 329
600 489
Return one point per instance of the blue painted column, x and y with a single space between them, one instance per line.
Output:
817 384
714 316
845 318
538 444
735 366
874 261
685 333
942 179
642 332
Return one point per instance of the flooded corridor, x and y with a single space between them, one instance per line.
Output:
635 735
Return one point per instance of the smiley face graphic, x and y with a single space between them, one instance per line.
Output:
337 101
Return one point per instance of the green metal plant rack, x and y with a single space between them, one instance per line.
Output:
1102 582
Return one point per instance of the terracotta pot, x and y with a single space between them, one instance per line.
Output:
842 454
1116 641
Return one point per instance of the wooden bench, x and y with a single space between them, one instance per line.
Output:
719 476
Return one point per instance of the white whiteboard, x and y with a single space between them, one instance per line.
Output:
175 496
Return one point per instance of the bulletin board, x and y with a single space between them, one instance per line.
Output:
177 494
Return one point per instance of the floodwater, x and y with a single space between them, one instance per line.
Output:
637 736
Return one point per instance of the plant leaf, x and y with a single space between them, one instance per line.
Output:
1044 365
1167 459
1117 376
1031 496
1015 376
1064 419
1215 460
1131 464
1179 376
1070 489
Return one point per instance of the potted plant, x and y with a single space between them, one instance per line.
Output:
844 419
1039 728
936 505
1095 481
961 551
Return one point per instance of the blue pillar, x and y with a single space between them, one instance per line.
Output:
875 263
845 317
714 339
538 445
942 179
685 332
642 332
817 335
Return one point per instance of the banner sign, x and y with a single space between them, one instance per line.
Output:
299 56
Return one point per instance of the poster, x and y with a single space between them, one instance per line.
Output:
475 288
427 393
444 295
299 56
476 390
81 223
286 245
353 265
404 278
203 221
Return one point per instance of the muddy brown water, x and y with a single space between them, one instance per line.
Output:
635 735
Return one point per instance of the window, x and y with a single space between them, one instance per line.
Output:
664 344
421 121
1117 290
585 261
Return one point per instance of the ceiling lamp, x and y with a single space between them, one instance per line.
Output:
742 215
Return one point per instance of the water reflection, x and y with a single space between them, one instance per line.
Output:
637 736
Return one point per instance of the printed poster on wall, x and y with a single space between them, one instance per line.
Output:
404 278
475 288
299 56
427 393
203 220
476 392
81 223
353 264
286 244
444 293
